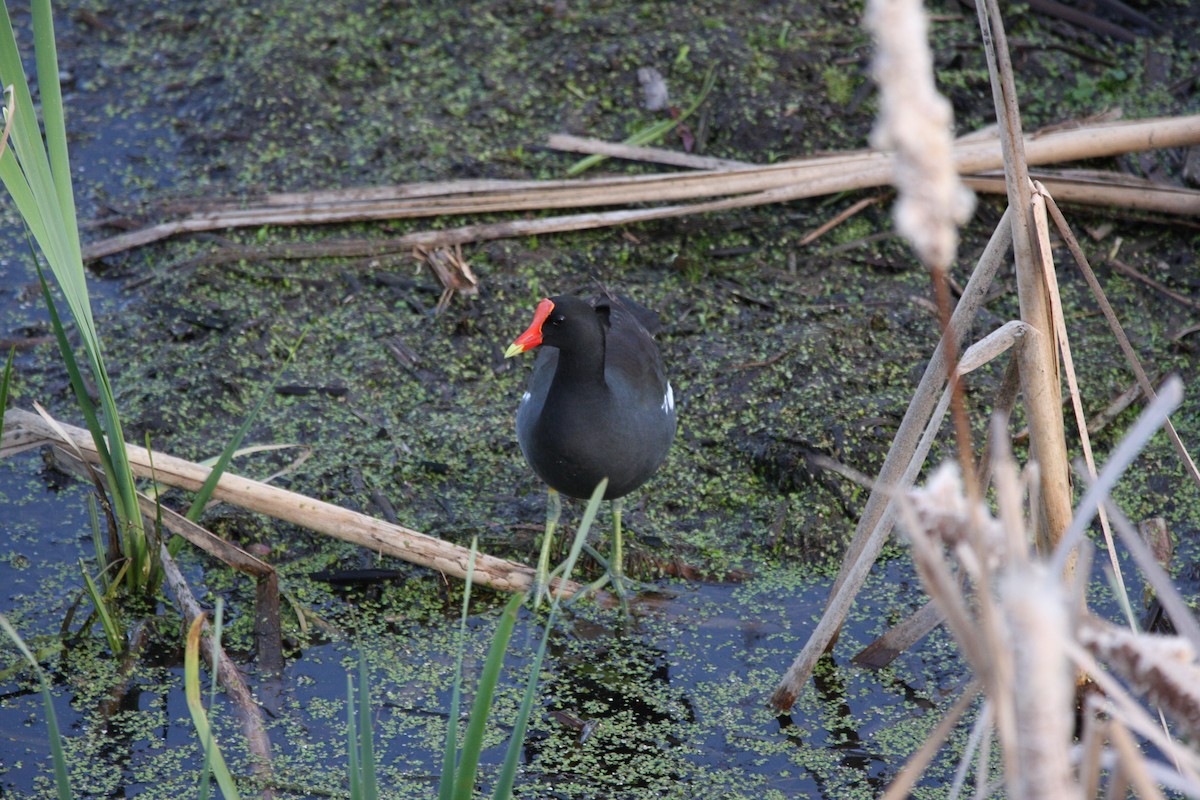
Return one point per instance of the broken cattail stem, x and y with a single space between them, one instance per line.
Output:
1039 381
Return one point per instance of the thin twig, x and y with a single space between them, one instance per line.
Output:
1039 376
227 673
655 155
838 219
1125 269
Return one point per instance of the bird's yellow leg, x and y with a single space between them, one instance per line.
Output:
614 568
542 578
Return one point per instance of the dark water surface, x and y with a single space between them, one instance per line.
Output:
170 100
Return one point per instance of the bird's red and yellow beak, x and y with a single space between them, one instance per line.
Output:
532 337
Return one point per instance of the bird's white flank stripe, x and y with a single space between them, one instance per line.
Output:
668 404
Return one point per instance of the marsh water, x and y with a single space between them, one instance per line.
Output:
778 350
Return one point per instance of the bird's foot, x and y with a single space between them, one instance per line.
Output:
622 586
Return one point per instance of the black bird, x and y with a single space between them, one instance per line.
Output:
598 405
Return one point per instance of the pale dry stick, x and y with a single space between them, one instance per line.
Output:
1088 753
531 227
995 344
227 672
655 155
990 347
29 430
1125 269
985 350
838 219
1089 141
979 733
793 180
1118 780
901 636
878 515
1133 763
902 784
1039 376
916 626
1044 250
1115 326
1163 199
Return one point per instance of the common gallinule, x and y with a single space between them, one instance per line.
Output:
598 405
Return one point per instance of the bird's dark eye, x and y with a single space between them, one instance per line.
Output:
557 319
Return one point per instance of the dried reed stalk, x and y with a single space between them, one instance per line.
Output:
1103 190
740 187
1039 377
1110 316
1018 622
24 430
899 469
253 725
268 629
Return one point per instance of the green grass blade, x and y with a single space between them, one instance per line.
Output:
62 780
654 131
5 380
20 168
113 461
112 628
512 755
75 376
585 524
516 741
37 175
214 476
356 791
450 752
53 117
366 733
98 544
464 783
143 566
191 685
